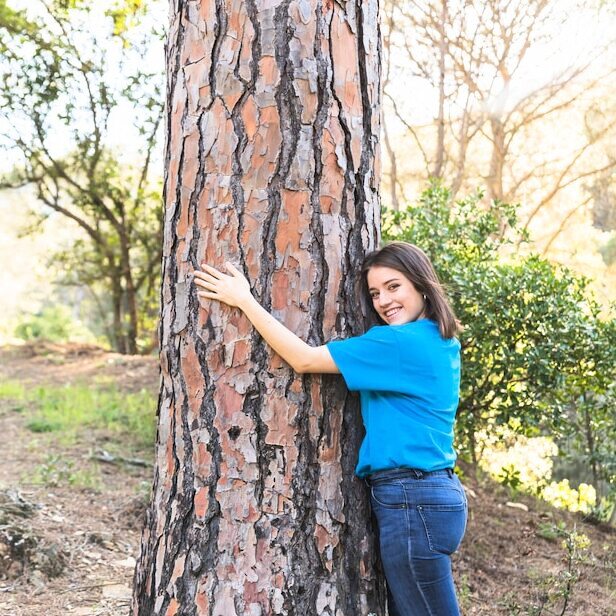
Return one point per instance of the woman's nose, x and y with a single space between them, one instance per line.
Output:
384 299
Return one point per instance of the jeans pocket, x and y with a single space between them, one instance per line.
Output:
389 495
444 526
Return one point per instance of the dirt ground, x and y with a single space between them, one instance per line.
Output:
504 566
507 565
96 531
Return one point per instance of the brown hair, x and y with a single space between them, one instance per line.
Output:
414 264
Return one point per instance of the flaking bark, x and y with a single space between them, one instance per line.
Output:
271 163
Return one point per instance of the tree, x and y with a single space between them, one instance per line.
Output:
271 162
491 117
59 94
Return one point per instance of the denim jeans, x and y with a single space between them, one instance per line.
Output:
421 519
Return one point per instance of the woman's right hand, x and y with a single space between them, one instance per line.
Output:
232 289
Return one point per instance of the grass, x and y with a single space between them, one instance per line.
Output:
12 390
71 409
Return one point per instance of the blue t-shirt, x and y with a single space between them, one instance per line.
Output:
408 377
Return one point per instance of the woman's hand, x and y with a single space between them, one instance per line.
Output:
232 289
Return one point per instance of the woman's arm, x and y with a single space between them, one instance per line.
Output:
233 289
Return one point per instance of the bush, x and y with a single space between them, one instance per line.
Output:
52 323
535 352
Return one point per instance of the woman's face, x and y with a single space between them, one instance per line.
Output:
393 296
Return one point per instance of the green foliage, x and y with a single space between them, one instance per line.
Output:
68 411
529 459
126 14
464 593
41 425
551 531
536 353
510 478
604 510
53 323
587 433
603 212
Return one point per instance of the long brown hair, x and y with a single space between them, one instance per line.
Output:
413 263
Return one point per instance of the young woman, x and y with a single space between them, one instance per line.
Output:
407 370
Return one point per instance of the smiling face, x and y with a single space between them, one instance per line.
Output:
394 297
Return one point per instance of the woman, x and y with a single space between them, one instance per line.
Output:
407 370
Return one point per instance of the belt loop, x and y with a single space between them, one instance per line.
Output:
450 472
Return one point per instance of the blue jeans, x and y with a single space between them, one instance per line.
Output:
421 519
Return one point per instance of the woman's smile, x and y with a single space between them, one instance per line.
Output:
392 312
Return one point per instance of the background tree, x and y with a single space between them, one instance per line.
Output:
602 188
489 116
60 92
271 162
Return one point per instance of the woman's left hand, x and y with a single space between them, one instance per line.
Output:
232 289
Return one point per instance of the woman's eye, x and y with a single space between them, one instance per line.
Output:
374 295
393 287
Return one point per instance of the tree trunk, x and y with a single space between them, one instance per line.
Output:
497 160
440 131
131 303
271 163
119 341
393 170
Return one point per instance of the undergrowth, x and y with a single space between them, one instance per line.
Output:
553 592
59 471
71 409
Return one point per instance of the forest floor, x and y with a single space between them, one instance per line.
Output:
72 506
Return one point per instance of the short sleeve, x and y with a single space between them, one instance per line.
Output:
369 362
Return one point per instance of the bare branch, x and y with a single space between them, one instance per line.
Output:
563 225
411 131
561 183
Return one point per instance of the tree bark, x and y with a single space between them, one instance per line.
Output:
272 163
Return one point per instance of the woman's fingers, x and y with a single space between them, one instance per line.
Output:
209 285
209 276
228 288
231 268
199 276
211 270
203 282
204 275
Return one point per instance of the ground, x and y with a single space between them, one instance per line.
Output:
97 529
85 538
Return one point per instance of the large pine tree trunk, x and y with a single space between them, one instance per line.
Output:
272 163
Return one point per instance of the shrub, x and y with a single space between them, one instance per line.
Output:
52 323
537 358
